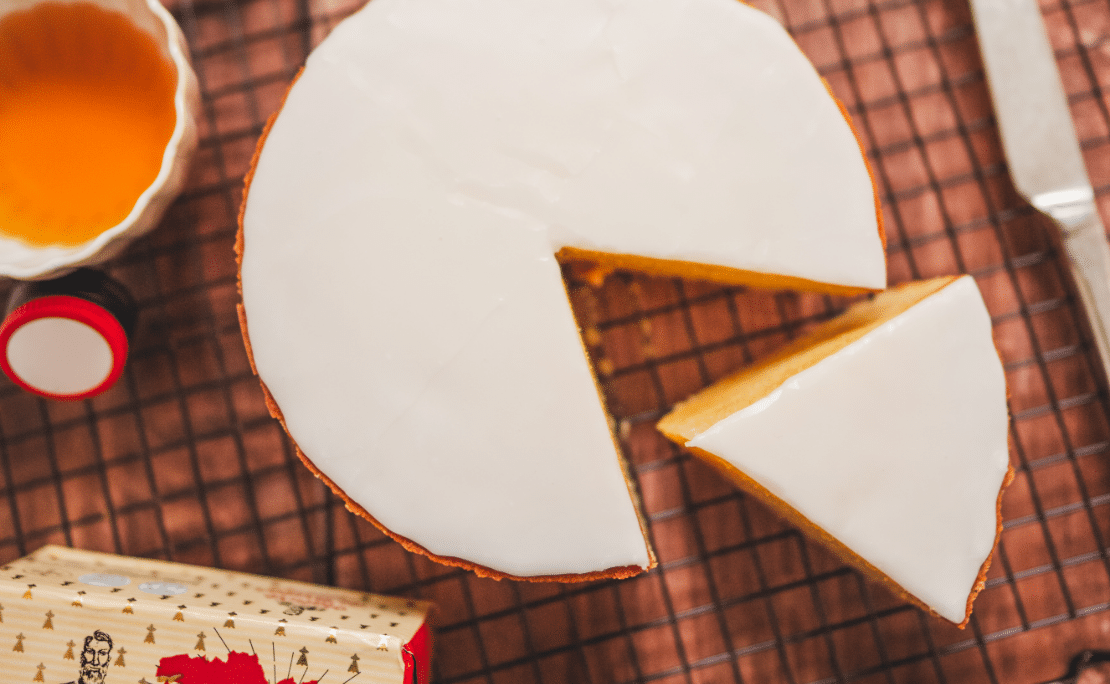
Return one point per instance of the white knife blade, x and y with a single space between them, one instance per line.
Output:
1041 147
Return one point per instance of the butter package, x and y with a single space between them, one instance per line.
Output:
78 617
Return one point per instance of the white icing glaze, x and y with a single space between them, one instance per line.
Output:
895 445
404 306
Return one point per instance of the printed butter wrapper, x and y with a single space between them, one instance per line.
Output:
78 617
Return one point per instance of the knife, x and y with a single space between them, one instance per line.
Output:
1041 147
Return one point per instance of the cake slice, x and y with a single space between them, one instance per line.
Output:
882 433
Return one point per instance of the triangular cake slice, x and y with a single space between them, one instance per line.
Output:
882 433
405 218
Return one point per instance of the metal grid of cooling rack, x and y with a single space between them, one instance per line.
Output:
181 460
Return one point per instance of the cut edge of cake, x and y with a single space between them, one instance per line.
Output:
692 417
709 406
605 262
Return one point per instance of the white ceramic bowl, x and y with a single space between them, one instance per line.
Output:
24 261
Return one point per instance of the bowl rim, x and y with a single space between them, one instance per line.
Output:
145 213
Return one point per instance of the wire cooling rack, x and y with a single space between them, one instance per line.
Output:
181 461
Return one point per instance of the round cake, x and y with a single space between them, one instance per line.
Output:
411 202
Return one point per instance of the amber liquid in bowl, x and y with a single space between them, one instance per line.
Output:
86 112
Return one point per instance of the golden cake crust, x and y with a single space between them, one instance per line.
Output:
845 554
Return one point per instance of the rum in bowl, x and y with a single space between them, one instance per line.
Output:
86 114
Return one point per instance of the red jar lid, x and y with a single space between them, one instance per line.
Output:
66 339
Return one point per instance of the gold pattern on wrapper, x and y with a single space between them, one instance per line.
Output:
39 677
283 619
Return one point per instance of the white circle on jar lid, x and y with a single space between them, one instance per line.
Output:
59 355
103 579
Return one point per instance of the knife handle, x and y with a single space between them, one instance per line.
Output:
1088 256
